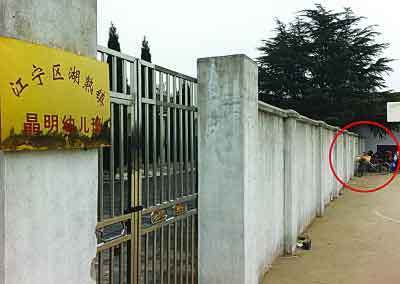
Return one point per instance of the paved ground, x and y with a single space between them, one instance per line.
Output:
356 242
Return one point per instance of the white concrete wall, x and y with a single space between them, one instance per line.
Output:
305 174
228 220
48 216
48 200
311 160
263 174
329 182
270 183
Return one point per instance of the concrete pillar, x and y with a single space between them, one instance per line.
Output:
320 170
228 204
351 159
290 190
355 153
48 200
345 159
348 156
335 157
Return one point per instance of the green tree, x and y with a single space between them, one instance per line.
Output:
146 55
113 43
326 65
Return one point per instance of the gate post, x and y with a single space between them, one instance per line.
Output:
228 204
48 199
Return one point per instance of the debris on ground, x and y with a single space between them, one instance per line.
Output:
304 242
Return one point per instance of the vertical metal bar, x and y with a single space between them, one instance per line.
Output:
121 264
154 255
186 138
146 144
162 255
112 265
155 175
161 138
175 250
192 168
114 73
101 186
146 266
181 146
124 77
169 255
195 154
175 142
136 160
130 171
181 263
195 190
187 251
100 269
132 146
168 138
101 201
112 173
121 156
192 254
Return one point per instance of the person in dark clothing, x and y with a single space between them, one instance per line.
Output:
364 163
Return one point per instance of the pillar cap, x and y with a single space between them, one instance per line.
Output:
239 55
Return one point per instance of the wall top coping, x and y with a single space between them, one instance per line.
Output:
293 114
226 57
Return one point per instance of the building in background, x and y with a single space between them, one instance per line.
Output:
377 143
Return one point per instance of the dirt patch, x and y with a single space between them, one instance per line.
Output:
357 241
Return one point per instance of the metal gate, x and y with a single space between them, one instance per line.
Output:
147 200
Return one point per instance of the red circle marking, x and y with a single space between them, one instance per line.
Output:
356 123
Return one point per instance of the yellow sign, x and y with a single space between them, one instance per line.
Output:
51 99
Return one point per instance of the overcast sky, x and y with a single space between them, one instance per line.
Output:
180 31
